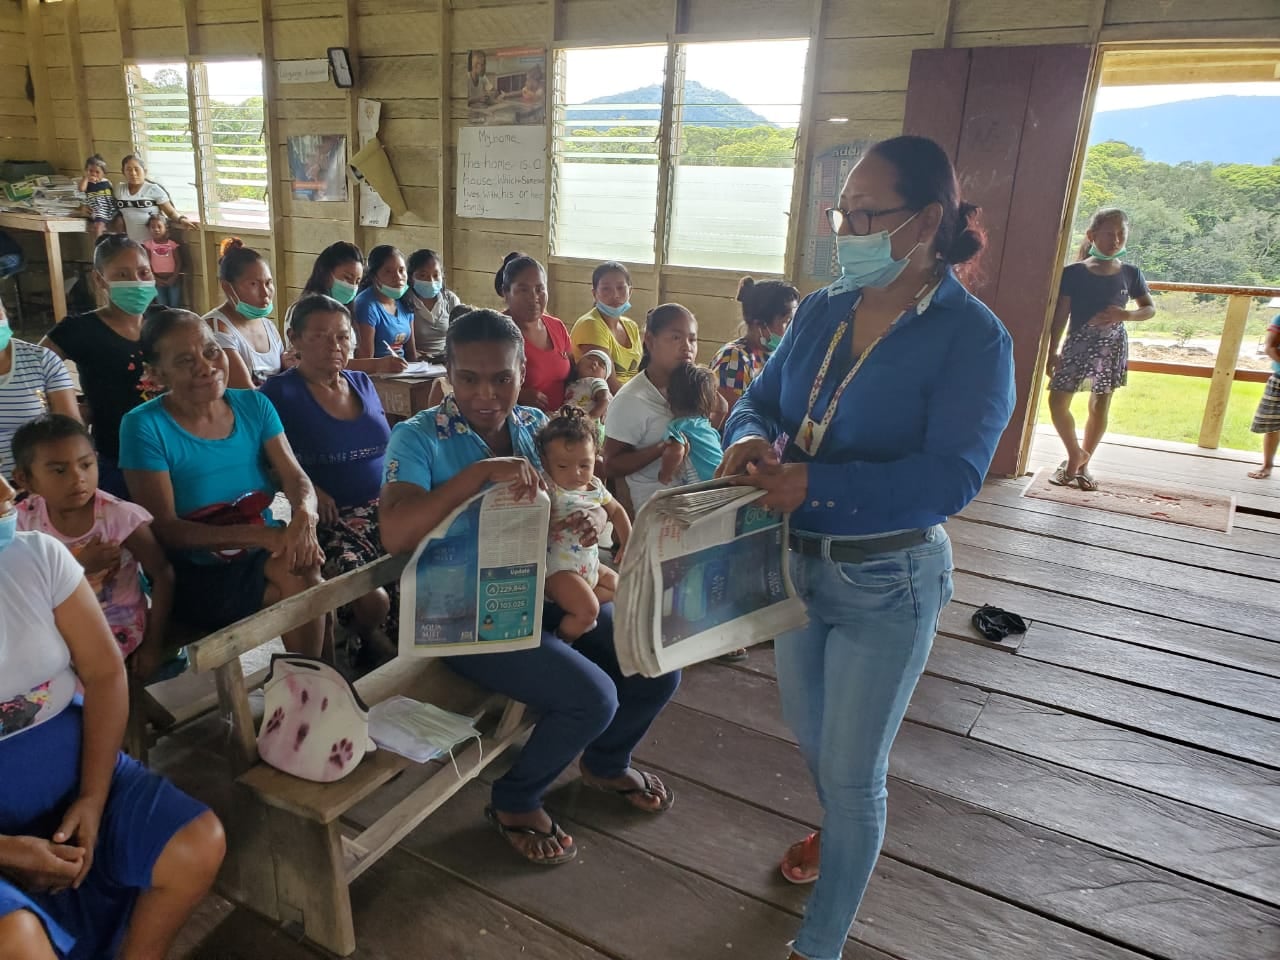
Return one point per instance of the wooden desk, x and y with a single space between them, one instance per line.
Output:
402 397
51 227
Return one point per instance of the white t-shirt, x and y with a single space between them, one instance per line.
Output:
138 207
229 337
37 575
34 373
639 416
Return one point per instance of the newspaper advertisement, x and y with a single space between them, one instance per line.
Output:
707 571
475 583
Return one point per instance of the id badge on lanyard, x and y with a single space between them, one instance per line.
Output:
812 432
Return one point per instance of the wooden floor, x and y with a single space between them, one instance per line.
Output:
1107 786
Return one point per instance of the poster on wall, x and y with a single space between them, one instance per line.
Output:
502 173
506 87
826 178
318 165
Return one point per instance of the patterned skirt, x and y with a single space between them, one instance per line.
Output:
1093 358
350 543
1267 419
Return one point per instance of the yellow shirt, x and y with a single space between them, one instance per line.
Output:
592 328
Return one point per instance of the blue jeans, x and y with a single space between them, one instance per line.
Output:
845 680
582 701
169 296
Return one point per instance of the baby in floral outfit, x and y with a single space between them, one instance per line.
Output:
575 580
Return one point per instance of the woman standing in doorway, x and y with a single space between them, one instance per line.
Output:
240 325
105 347
139 198
889 393
767 310
1094 294
522 283
604 327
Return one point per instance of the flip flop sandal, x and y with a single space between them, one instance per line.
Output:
806 853
1084 480
668 795
734 656
1061 478
507 831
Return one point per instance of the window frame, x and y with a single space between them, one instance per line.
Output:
668 125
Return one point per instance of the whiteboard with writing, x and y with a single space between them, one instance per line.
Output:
502 172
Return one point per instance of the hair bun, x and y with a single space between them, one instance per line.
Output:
744 285
969 238
227 244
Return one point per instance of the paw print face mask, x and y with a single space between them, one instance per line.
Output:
315 725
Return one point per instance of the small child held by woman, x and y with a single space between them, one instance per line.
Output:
104 210
576 582
693 451
590 391
166 261
55 461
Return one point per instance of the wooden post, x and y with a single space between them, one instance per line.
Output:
1224 369
804 143
946 21
275 192
75 61
444 90
39 71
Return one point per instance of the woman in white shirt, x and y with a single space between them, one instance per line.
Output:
139 198
636 431
432 303
98 857
33 381
251 341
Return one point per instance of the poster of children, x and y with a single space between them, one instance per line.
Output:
318 164
506 87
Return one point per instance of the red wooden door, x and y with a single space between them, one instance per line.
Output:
1010 119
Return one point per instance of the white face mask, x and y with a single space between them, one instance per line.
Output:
420 731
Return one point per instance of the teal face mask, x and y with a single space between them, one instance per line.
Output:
395 293
6 334
131 296
772 343
1098 254
8 528
252 312
613 313
428 289
342 291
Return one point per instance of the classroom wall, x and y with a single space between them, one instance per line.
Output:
411 55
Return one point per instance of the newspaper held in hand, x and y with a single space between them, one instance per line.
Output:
475 583
706 571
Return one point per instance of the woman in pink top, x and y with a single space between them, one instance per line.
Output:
522 283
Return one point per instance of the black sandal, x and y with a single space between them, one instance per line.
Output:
508 831
667 795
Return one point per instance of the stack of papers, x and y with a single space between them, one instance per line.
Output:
475 582
705 572
420 368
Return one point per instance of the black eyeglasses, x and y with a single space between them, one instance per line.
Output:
858 221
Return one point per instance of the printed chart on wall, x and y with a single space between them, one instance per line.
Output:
502 172
507 86
825 180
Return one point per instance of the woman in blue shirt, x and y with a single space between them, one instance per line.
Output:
200 448
436 461
384 318
886 398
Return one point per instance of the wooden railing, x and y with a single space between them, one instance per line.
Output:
1223 373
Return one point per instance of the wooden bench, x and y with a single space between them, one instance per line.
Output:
296 857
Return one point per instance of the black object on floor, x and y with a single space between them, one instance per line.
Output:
995 624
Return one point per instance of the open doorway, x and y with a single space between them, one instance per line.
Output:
1186 143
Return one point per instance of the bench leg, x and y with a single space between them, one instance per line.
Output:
311 883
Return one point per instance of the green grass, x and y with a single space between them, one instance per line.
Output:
1199 317
1163 407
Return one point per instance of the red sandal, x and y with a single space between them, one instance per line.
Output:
801 858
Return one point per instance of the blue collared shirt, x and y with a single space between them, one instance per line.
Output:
914 433
433 446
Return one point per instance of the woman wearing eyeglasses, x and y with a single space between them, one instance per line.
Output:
887 397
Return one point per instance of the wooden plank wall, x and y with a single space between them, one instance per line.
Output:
411 55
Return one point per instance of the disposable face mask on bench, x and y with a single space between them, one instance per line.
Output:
420 731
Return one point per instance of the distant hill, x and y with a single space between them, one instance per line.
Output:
1215 129
702 105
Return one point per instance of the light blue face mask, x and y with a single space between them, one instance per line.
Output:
395 293
613 313
6 333
251 312
868 261
1099 255
342 291
428 289
8 528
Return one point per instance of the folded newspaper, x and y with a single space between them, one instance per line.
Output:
705 572
475 583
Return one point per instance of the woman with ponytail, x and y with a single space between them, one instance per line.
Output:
768 307
251 341
886 398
